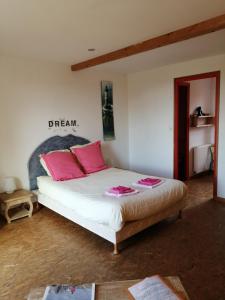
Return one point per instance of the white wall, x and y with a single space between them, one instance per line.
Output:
202 93
32 93
151 104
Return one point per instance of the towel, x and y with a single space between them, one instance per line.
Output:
120 190
148 182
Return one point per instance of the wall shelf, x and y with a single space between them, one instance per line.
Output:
203 117
202 121
204 125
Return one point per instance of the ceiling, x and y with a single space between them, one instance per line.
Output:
62 31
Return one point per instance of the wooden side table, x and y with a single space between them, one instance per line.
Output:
116 290
13 206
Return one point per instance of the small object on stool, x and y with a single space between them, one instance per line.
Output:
9 184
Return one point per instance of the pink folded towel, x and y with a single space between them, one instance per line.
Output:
119 190
150 181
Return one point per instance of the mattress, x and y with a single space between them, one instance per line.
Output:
86 196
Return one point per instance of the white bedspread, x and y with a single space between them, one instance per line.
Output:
86 196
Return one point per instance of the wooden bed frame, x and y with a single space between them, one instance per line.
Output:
128 230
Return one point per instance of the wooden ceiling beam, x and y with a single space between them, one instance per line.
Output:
179 35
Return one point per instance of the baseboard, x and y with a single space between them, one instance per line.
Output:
220 199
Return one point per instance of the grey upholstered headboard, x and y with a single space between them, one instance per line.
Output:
54 143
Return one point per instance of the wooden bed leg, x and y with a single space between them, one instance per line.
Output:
180 214
115 250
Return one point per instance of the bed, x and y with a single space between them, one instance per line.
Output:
84 201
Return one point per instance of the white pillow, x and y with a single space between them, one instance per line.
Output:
81 146
44 164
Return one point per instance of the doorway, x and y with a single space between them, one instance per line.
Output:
183 121
183 130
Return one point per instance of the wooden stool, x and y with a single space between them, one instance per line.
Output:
17 201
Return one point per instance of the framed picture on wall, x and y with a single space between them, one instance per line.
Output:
107 110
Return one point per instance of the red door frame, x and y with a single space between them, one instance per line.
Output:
177 82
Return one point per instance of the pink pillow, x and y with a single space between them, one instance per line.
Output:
62 166
90 157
